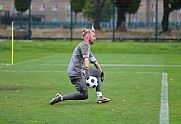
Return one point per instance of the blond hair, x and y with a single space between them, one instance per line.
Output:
85 31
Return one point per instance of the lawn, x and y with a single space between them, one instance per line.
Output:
133 82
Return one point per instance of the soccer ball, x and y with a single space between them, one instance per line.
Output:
92 82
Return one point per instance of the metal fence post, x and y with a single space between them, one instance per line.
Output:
29 4
156 30
71 23
113 21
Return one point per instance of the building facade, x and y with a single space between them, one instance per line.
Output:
59 11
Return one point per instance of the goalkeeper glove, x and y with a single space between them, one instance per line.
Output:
102 76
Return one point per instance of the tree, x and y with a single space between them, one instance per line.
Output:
77 6
88 10
98 5
106 12
169 6
21 6
124 7
97 11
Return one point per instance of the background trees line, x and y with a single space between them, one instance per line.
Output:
101 10
95 10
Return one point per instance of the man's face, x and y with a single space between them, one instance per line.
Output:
92 37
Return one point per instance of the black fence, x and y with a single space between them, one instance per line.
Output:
59 20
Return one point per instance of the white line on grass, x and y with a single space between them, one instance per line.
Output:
124 65
37 71
164 114
43 71
16 40
3 65
144 65
23 62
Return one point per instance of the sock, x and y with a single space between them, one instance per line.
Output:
99 94
61 98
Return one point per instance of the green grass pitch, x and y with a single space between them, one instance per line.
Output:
133 82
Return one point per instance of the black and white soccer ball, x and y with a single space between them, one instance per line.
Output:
92 82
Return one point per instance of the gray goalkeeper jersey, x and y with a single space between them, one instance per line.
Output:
76 65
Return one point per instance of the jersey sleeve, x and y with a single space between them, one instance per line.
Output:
86 52
92 59
85 48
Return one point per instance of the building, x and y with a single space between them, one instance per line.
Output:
59 11
50 10
54 10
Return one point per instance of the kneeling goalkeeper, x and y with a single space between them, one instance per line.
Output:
78 71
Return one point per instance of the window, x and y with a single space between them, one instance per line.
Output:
179 11
55 18
68 8
68 18
42 7
14 10
1 6
54 7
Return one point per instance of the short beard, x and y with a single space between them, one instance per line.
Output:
92 42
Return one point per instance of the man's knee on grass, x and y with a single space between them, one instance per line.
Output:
84 93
